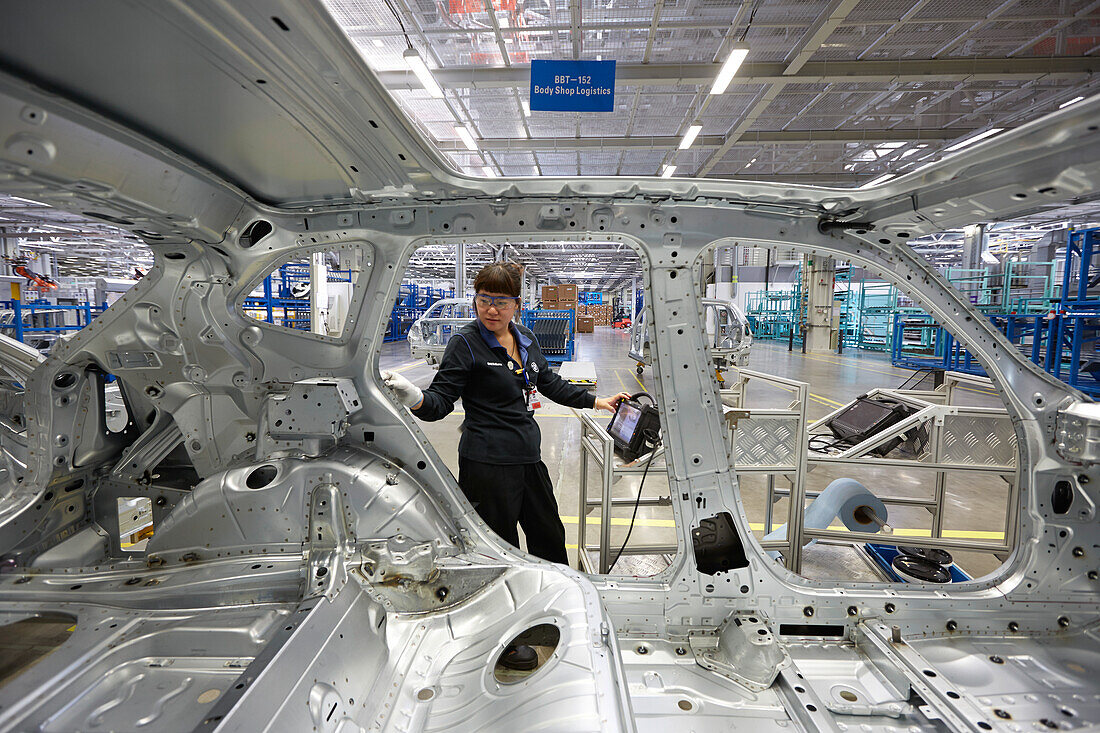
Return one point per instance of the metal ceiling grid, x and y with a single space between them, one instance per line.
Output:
358 16
640 162
734 102
529 44
424 107
598 163
553 124
850 42
619 12
382 52
557 160
717 123
774 43
657 125
624 46
524 159
685 45
884 11
919 40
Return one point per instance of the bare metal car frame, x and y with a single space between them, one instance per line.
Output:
314 566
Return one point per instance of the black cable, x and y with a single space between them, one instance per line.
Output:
654 440
752 16
828 444
402 23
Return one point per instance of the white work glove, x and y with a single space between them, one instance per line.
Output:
407 392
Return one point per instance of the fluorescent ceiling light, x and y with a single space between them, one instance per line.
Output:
412 58
526 107
467 139
1075 100
378 43
970 141
881 179
729 68
488 172
667 171
689 136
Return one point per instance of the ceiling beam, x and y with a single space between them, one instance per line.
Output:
372 31
752 138
810 72
742 127
1084 12
818 32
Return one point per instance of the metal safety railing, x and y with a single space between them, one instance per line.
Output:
950 448
775 442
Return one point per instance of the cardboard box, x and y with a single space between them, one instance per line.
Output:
585 324
567 290
549 304
549 292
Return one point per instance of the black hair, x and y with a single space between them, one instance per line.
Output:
500 277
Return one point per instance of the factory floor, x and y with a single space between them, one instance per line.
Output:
975 502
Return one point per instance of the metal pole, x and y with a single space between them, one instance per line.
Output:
460 270
318 294
797 498
605 508
267 299
583 504
941 480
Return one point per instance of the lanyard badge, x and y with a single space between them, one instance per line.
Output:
534 402
532 394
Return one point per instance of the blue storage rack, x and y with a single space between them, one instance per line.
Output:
1063 342
85 314
412 302
554 330
278 305
936 348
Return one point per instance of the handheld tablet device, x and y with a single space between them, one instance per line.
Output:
630 425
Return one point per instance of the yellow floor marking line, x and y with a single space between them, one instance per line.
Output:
621 522
957 534
410 365
979 391
895 373
819 398
826 400
635 375
620 378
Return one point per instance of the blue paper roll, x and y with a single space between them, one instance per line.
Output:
845 498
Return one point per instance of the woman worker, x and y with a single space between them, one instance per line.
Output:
496 367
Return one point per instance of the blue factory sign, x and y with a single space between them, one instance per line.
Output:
572 86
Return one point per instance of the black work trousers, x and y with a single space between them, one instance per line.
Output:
523 493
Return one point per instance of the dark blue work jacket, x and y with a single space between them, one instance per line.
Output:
498 427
